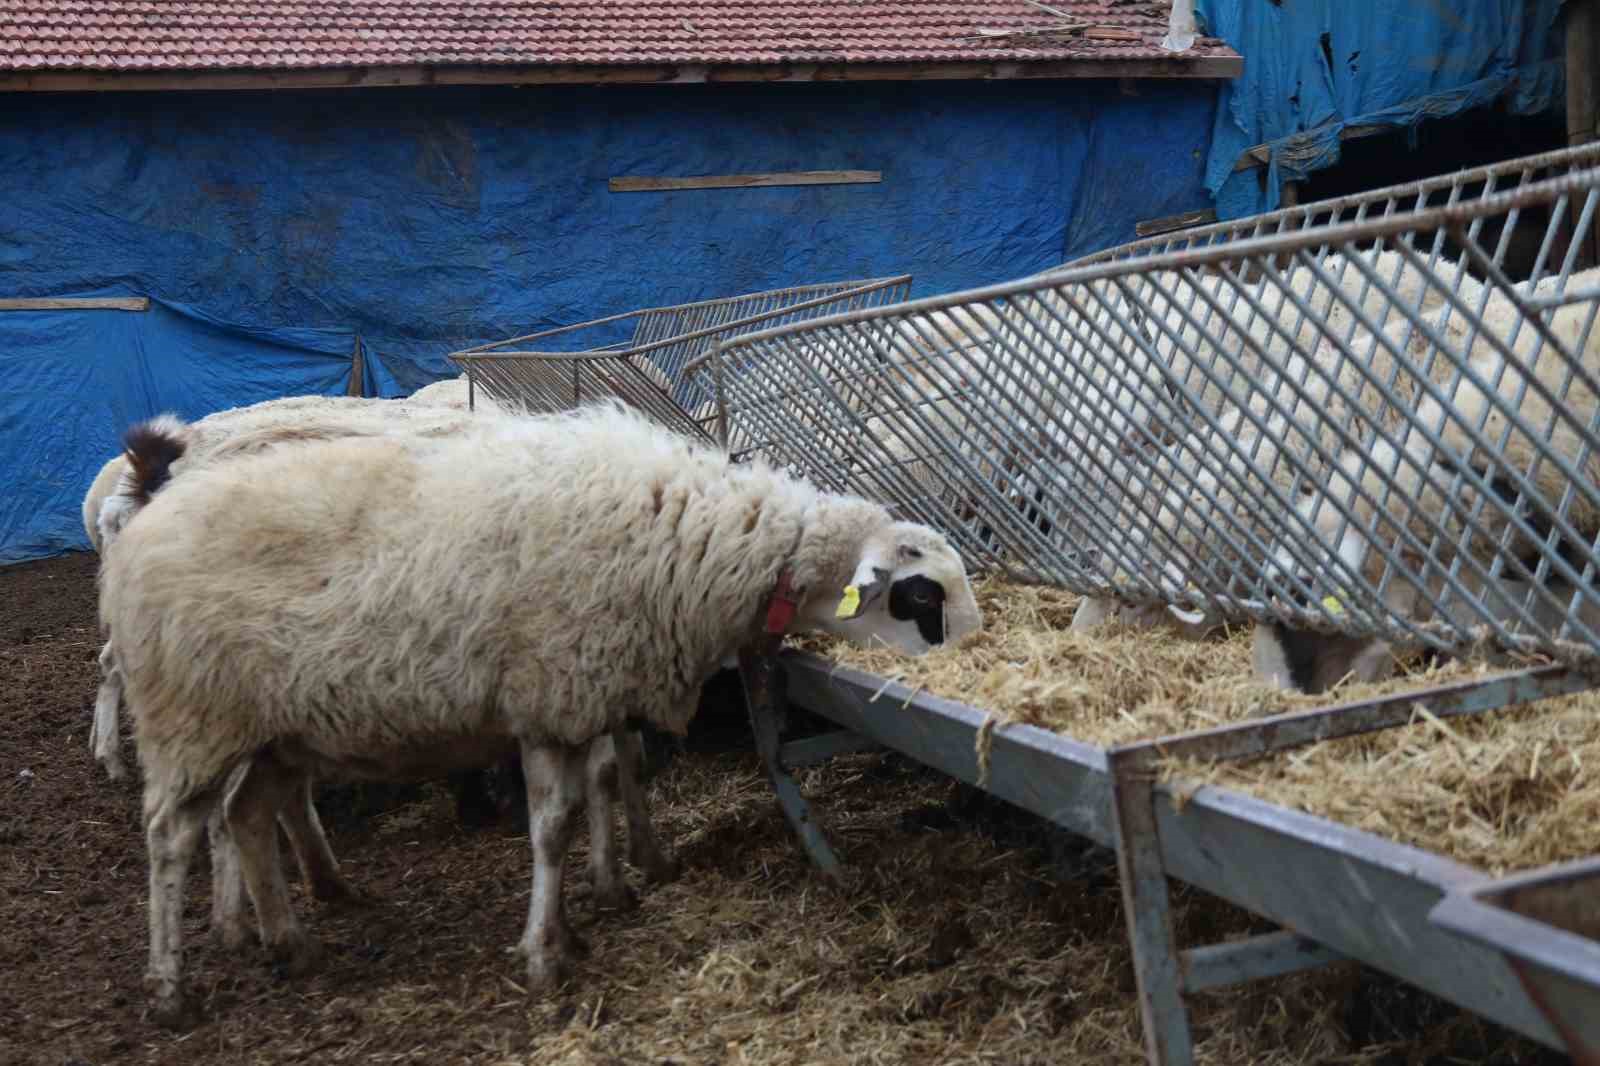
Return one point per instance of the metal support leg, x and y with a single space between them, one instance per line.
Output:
760 673
1145 903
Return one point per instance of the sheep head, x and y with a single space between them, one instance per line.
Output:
908 590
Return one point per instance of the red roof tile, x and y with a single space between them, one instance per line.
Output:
122 35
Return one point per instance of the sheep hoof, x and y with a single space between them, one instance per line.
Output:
659 868
549 972
231 935
619 897
114 768
296 953
336 891
168 1006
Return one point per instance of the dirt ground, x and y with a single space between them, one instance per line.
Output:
969 932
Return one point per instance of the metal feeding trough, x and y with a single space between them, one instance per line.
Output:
1358 418
639 357
1547 925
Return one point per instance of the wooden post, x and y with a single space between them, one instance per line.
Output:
358 371
1583 94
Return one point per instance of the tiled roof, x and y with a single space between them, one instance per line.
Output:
175 35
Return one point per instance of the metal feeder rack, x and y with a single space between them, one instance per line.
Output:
646 370
1344 420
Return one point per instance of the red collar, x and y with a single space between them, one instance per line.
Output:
782 606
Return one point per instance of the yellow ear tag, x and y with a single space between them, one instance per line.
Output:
1332 604
850 604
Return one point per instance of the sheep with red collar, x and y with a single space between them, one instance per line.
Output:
395 607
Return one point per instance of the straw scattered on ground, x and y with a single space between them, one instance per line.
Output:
1507 790
968 933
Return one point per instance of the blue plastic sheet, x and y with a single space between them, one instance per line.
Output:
422 221
1314 67
72 381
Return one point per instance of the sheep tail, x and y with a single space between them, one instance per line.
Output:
151 448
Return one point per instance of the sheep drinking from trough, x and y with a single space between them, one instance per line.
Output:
386 608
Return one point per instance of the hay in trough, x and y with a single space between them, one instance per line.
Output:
1509 789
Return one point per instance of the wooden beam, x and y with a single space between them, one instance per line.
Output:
748 181
1201 67
1152 226
99 303
1261 154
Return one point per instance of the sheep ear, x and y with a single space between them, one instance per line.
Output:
870 581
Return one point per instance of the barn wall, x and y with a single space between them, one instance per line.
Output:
424 220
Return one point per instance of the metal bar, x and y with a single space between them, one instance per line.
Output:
814 750
1146 908
1242 740
1360 895
763 694
1268 955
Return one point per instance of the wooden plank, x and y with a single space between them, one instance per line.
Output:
1261 154
98 303
1153 226
1203 67
748 181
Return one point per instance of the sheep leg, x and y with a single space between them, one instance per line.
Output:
553 776
251 808
172 830
318 865
228 925
105 735
645 850
611 892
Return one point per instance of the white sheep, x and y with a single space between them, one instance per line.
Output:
216 437
1285 403
388 607
1422 478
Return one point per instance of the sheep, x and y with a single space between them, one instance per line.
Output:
1286 403
386 607
215 438
243 431
612 768
1292 658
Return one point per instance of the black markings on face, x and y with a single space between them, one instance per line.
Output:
919 599
1299 654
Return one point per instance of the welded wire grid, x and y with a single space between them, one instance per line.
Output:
647 370
1366 427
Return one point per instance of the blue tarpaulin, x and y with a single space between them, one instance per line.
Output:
73 380
419 221
1314 67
